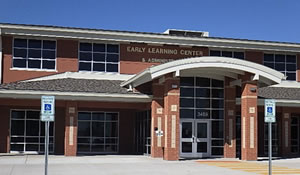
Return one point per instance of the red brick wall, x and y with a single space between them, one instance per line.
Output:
254 56
66 61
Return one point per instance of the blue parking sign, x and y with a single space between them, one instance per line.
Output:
269 109
47 107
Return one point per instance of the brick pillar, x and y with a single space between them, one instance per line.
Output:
157 119
230 120
286 133
249 119
172 120
71 129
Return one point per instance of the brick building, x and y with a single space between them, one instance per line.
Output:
179 94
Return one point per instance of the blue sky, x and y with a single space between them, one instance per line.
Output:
274 20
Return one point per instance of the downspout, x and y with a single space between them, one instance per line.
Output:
1 57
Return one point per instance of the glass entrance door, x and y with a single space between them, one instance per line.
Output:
194 139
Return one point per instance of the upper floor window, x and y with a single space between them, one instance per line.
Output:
34 54
286 64
99 57
230 54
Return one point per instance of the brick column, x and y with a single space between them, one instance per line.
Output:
172 120
230 120
71 129
157 118
286 133
249 119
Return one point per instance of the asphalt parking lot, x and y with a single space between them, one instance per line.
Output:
130 165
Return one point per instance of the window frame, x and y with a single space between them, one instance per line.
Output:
225 50
285 72
92 61
27 56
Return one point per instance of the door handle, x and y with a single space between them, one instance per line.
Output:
193 139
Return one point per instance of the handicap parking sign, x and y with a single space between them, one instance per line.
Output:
47 108
269 110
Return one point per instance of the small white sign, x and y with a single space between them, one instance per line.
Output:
270 111
47 108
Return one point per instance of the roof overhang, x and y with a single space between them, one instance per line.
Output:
210 66
105 97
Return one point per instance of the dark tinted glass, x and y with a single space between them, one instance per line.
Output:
112 58
20 43
18 114
187 130
98 116
291 58
226 54
49 44
187 92
33 115
202 147
186 147
97 148
187 81
202 82
217 83
217 103
111 129
270 65
99 47
98 129
280 66
85 56
112 67
239 55
291 67
217 93
187 113
83 128
269 57
291 76
217 114
217 151
83 148
85 66
48 54
48 64
34 44
112 48
34 53
187 102
99 67
202 114
215 53
217 129
202 103
34 64
99 57
32 128
279 58
203 92
85 47
84 116
111 116
217 143
21 63
18 127
20 53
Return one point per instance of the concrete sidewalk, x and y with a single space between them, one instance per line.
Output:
125 165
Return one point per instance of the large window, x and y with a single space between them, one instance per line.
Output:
225 53
203 98
98 132
34 54
28 132
98 57
286 64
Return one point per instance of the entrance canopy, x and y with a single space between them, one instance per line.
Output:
211 67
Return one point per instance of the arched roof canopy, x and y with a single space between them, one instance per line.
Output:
210 66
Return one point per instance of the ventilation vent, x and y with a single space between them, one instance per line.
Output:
176 32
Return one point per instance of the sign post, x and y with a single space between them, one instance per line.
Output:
270 111
47 115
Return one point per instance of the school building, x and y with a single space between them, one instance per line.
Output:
177 94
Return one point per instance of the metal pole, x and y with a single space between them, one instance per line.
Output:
270 148
46 146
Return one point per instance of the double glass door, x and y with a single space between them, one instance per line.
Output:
194 138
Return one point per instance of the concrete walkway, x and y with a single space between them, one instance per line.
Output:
115 165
